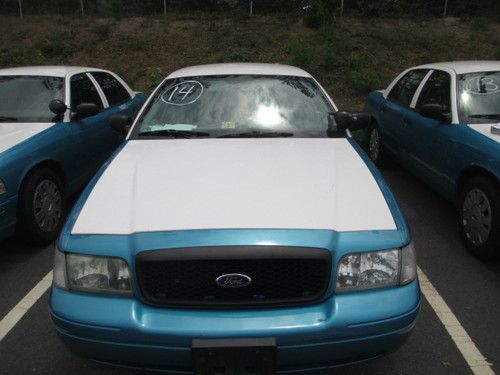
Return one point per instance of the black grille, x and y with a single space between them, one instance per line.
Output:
187 277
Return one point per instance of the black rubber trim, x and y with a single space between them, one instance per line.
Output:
234 252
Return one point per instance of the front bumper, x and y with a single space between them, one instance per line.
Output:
343 329
8 217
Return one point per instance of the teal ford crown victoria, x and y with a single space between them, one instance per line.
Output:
238 227
54 135
442 122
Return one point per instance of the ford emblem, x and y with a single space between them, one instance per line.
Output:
233 280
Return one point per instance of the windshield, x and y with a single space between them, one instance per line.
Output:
237 105
27 98
479 97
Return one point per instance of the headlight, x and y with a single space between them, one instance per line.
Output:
376 269
91 273
3 188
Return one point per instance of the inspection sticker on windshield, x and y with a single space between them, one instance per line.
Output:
183 93
228 125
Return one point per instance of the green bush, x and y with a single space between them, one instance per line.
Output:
156 77
300 54
20 56
364 80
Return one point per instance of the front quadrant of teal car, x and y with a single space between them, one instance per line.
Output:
238 227
54 136
442 122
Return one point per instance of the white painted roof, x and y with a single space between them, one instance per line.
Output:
462 67
51 71
239 68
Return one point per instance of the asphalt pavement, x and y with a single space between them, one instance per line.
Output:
470 287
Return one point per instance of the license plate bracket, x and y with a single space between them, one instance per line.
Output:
234 356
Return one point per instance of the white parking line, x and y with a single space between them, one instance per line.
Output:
15 315
476 361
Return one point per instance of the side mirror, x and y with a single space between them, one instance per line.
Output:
57 107
120 122
435 111
352 121
84 110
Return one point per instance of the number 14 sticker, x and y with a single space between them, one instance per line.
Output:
183 93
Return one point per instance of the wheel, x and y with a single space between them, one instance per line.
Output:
375 150
479 213
41 207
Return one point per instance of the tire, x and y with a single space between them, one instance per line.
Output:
479 216
41 207
375 147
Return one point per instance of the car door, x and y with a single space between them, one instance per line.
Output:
118 100
394 108
430 141
89 135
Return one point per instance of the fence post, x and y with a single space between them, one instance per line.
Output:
341 7
20 9
82 8
251 7
445 8
165 8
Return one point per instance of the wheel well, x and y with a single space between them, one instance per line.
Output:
470 172
51 164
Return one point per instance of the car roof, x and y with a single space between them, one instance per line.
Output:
51 71
239 69
461 67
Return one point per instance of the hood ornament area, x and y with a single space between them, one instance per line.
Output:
233 280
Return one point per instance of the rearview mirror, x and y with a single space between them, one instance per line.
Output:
352 121
120 122
57 107
435 111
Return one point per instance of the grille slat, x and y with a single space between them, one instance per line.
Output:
280 276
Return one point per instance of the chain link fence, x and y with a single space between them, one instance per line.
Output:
371 8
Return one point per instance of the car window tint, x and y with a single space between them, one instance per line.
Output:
84 91
113 89
402 93
437 90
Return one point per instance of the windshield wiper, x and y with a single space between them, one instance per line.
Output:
257 134
173 133
5 118
492 116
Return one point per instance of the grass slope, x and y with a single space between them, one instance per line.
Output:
349 57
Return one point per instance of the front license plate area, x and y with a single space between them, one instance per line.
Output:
234 356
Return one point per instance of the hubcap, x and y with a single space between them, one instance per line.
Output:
476 217
374 144
47 205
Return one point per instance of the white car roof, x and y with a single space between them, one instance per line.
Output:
462 67
239 68
51 71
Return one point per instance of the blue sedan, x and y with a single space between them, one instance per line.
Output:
239 227
54 135
441 121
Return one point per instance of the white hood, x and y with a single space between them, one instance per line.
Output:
13 133
485 129
164 185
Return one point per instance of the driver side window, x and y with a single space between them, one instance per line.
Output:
84 91
402 93
437 90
